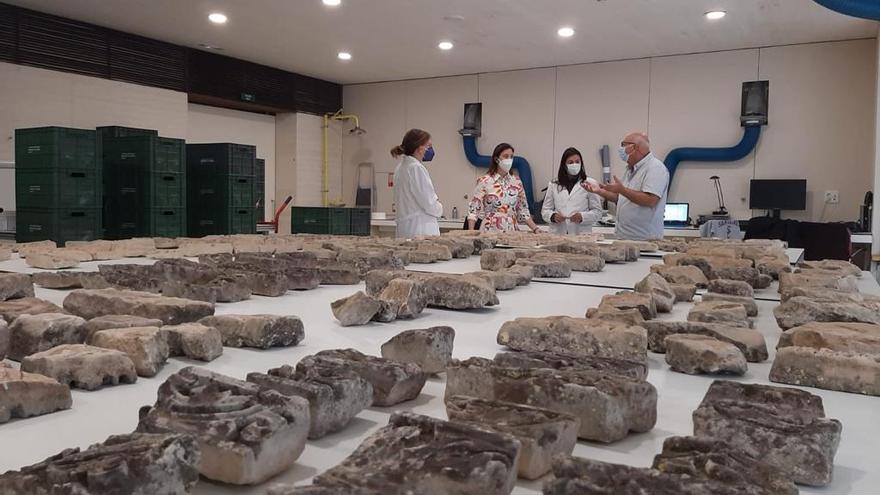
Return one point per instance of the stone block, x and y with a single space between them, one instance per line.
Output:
260 331
800 310
91 303
430 348
746 302
15 286
357 309
659 289
750 342
575 336
725 313
695 354
13 308
53 260
110 322
30 334
405 298
681 274
684 292
194 340
624 367
731 287
82 366
497 259
23 395
624 300
147 347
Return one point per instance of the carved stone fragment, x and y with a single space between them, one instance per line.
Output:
726 313
147 347
246 433
575 336
82 366
694 354
260 331
750 342
731 287
800 310
684 292
194 340
91 303
623 367
110 322
632 317
405 298
30 334
681 274
357 309
70 280
430 348
13 308
15 286
631 300
497 259
23 395
659 290
747 302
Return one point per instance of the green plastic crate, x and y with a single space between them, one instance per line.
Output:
146 190
221 158
57 188
56 148
260 194
360 221
115 131
151 222
214 191
143 154
222 222
57 224
260 170
320 220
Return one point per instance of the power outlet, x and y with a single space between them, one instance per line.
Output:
832 197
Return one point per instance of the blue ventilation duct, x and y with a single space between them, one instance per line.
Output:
741 150
866 9
519 163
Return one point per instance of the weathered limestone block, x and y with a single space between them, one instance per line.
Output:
615 253
367 260
748 303
15 286
4 339
338 275
731 287
23 395
91 303
542 433
25 249
830 295
582 262
335 395
695 354
750 342
575 336
356 309
684 292
577 476
523 274
726 313
246 433
773 266
30 334
195 248
420 454
260 331
13 308
392 382
631 317
429 348
687 274
147 347
53 260
458 291
609 406
405 298
220 289
817 279
842 266
5 254
747 274
800 310
500 280
497 259
144 278
624 300
70 280
110 322
783 427
708 458
194 340
82 366
624 367
135 464
659 290
833 356
547 266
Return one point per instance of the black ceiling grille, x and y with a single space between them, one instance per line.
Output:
56 43
41 40
145 61
7 33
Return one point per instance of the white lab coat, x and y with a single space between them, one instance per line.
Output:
558 199
418 206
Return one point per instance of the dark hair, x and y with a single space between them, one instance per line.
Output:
501 148
562 177
411 142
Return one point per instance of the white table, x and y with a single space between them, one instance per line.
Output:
113 410
386 227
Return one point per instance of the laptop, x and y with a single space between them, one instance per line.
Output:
676 215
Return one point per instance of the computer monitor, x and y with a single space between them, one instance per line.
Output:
676 214
778 194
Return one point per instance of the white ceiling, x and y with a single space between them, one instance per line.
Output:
397 39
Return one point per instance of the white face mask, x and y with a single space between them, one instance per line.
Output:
505 164
623 155
573 168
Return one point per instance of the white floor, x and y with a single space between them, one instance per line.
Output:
113 410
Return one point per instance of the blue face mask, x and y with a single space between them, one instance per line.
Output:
429 154
623 154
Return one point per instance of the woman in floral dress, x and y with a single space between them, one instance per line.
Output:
499 199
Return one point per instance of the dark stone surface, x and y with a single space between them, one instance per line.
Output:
623 367
15 286
13 308
132 464
91 303
260 331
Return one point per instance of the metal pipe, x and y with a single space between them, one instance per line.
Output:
325 158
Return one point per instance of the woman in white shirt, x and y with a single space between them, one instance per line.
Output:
418 206
568 207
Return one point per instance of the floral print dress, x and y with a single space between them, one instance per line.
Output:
500 202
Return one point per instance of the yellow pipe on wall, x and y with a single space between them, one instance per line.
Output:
325 158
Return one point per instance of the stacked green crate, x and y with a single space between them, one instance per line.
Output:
319 220
259 189
144 186
57 185
220 189
360 221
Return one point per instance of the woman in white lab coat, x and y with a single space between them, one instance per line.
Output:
418 206
568 207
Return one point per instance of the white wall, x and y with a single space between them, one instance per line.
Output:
207 124
820 127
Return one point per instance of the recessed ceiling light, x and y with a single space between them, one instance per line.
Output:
445 45
210 47
344 56
565 32
217 18
331 3
714 15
